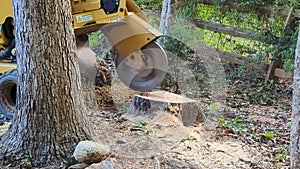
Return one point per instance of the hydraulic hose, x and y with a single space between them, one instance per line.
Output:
7 52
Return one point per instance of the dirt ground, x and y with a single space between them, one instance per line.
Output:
163 142
248 131
261 140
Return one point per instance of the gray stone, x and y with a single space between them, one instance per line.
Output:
109 163
91 152
79 166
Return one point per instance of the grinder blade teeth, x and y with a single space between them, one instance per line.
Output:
147 79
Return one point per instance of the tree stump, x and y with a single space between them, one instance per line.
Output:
147 104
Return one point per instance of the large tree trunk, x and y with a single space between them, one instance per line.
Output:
50 120
295 128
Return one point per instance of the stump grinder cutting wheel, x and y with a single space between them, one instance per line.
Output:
143 70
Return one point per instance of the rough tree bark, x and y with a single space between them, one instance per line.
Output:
166 14
169 8
50 119
295 128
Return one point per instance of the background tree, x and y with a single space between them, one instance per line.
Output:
295 128
166 14
50 119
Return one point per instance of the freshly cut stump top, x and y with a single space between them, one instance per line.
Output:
167 97
149 104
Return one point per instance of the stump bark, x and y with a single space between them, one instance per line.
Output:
147 104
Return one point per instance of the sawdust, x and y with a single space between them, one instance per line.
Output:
175 146
165 143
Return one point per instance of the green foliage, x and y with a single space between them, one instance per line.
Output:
191 138
249 86
141 126
138 126
96 38
97 41
176 47
213 108
188 34
270 29
253 3
25 163
189 9
151 132
269 135
282 157
279 165
185 63
149 4
226 42
253 136
122 127
236 125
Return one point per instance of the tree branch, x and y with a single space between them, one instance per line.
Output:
230 30
263 10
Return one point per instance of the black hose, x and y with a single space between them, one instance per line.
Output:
7 52
8 28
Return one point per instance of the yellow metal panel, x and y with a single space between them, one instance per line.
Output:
130 36
6 10
2 41
84 5
98 16
130 31
6 66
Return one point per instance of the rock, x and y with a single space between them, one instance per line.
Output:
79 166
178 164
109 163
91 152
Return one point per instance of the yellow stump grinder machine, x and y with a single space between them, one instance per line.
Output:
141 63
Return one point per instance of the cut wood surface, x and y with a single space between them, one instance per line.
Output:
148 104
163 96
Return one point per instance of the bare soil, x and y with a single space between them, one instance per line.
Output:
254 133
163 142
